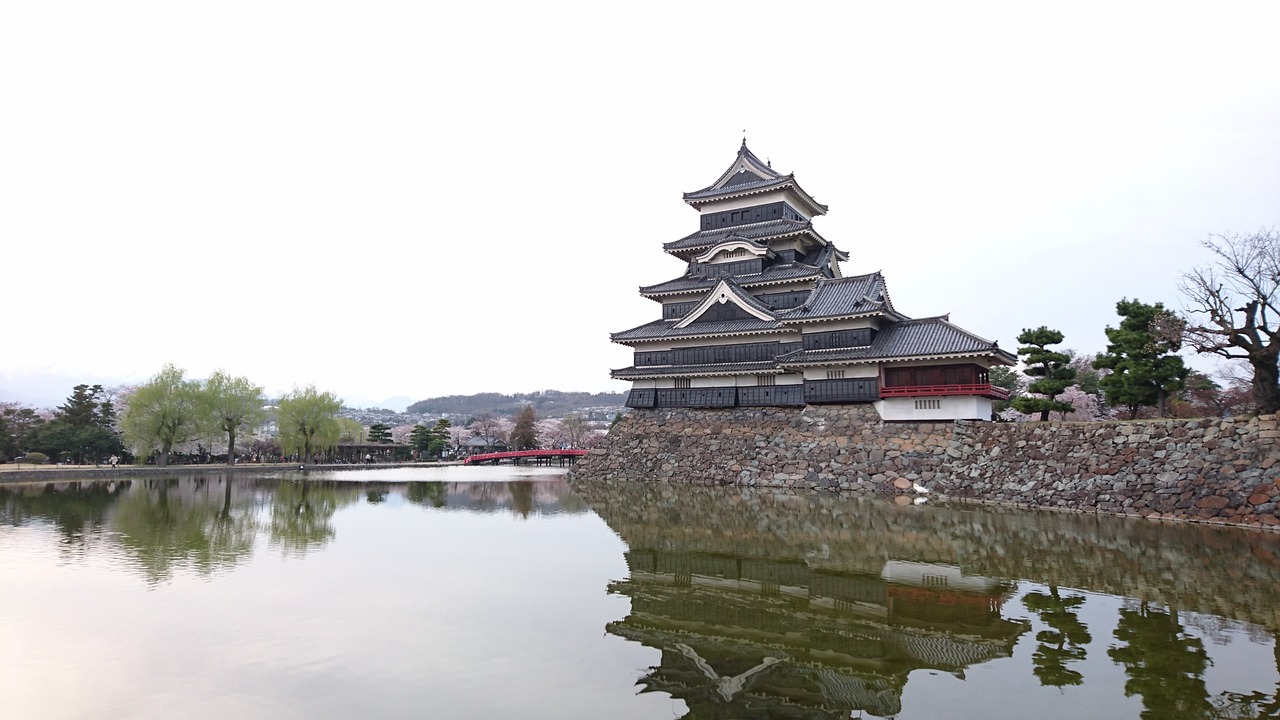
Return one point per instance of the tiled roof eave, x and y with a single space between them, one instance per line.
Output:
882 359
672 248
940 356
741 283
698 199
685 291
700 336
794 319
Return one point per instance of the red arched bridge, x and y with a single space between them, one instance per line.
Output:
539 457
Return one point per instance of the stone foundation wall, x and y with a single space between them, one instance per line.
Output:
1212 469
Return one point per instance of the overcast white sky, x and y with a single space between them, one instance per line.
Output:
423 199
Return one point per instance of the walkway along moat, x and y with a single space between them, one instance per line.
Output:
1207 470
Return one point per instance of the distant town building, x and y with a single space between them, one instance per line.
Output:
764 317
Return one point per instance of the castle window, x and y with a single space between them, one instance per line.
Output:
929 404
683 383
835 374
765 380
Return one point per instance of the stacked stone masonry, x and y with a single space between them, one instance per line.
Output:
1221 470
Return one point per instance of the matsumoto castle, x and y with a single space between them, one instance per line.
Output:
764 317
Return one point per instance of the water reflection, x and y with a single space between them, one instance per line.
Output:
1064 642
721 603
302 513
211 523
773 604
164 523
1165 666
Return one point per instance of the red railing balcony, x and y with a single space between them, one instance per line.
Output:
986 390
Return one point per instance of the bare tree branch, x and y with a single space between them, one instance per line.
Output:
1232 307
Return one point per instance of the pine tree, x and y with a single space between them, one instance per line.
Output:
1053 368
1144 370
379 433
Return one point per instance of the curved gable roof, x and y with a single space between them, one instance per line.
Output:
749 175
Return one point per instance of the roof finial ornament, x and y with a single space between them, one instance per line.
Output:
744 137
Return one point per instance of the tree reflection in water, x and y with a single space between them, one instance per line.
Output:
433 494
1164 664
164 524
302 513
79 511
1064 643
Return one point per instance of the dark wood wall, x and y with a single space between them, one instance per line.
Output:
753 214
852 390
935 375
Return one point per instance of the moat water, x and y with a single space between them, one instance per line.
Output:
511 592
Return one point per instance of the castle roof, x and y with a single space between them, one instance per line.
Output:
749 175
666 329
834 298
767 230
923 338
785 272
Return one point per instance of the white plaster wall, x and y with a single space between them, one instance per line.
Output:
718 253
959 407
850 371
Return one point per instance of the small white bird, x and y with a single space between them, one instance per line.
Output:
919 488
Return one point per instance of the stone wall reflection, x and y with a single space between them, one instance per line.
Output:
1223 571
774 603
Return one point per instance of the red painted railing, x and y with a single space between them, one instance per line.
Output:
986 390
513 454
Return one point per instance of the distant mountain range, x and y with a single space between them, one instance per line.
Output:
547 403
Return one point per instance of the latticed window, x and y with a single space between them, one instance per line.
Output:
766 380
835 374
683 383
929 404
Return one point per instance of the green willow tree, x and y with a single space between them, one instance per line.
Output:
1052 368
1144 370
163 412
232 405
308 421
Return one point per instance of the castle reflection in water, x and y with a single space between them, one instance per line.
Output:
804 605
